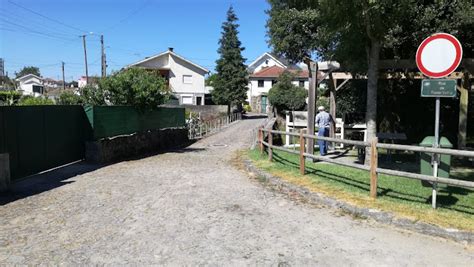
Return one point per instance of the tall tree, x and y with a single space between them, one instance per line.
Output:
230 84
28 70
358 33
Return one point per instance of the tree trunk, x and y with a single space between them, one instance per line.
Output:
228 109
372 80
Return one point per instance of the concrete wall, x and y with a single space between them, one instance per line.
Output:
136 145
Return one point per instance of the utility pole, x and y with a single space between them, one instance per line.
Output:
85 57
104 64
64 80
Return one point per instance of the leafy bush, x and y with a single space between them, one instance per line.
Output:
286 96
93 95
34 101
69 98
9 98
136 87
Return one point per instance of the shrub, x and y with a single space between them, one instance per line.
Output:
136 87
93 95
286 96
69 98
34 101
9 98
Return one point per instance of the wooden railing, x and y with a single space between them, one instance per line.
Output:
373 166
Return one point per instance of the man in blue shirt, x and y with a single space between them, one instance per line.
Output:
323 121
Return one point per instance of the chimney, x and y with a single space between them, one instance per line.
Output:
170 49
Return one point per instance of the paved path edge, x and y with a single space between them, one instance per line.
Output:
278 184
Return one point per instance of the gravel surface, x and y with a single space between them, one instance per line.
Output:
194 207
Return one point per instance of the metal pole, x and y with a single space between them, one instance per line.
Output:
435 156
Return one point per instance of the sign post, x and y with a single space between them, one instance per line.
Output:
437 57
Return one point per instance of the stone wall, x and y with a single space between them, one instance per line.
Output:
207 112
135 145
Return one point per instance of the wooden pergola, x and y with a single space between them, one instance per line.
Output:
398 69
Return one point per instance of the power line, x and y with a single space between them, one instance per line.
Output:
128 16
46 17
31 22
32 32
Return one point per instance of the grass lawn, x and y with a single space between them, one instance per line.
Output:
405 197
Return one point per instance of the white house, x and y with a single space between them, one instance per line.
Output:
263 74
185 78
30 84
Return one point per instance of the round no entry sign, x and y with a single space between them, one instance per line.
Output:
439 55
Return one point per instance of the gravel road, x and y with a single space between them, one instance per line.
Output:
194 207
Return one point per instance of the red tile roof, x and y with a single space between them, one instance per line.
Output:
276 71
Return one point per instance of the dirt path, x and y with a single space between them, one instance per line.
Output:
193 207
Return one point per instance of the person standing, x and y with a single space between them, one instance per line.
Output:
323 121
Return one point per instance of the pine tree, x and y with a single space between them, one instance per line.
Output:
230 85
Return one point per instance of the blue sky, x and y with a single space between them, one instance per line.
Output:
133 29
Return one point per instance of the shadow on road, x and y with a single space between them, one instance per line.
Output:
46 181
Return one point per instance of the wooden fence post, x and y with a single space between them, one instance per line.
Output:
270 143
260 140
373 167
302 149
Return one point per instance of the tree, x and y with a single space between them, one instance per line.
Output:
210 79
230 84
358 33
69 98
284 95
136 87
28 70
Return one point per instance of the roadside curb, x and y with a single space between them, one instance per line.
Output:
278 184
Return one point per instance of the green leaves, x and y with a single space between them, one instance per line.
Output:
230 81
135 86
284 95
28 70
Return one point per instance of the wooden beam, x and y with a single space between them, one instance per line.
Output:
373 168
463 111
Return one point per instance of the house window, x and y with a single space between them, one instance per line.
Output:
38 89
187 79
301 83
187 100
274 82
260 83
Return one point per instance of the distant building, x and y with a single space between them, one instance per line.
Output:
263 74
31 84
185 78
93 80
52 83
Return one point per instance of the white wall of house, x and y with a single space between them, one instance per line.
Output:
27 84
255 90
264 61
186 79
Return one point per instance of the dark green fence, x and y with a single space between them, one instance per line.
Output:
110 121
39 138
